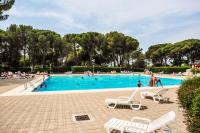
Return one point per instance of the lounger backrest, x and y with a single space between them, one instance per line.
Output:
132 96
161 92
162 121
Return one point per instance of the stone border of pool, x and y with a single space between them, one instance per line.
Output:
21 91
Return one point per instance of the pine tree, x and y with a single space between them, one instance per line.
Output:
4 6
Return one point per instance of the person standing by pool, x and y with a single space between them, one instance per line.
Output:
151 82
155 81
158 81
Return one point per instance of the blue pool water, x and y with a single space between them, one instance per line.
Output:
60 83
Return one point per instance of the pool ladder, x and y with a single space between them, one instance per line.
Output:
30 84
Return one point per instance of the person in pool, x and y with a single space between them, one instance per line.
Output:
43 85
139 83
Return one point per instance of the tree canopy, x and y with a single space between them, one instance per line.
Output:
4 6
185 52
24 46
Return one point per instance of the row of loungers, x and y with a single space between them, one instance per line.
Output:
19 75
124 100
137 124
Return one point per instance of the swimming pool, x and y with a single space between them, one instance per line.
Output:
98 82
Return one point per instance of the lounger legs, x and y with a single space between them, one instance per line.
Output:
142 96
159 99
112 107
135 108
107 130
167 129
156 100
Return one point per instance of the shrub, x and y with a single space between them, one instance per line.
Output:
39 69
194 126
196 70
80 68
96 68
1 69
103 69
109 69
169 70
15 69
196 103
189 96
187 91
61 69
137 69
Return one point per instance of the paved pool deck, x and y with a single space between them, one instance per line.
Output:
53 113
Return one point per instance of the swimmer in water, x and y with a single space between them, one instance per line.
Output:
139 83
43 85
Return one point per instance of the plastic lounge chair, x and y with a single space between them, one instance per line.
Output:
2 77
68 72
157 96
141 125
180 74
10 74
124 100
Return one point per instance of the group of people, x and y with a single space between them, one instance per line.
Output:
154 81
89 73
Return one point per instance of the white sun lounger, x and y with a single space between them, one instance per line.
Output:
124 100
141 125
157 96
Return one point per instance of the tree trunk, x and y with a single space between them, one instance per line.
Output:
43 61
25 56
75 54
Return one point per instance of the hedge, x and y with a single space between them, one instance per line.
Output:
189 97
15 69
61 69
137 69
103 69
96 68
39 69
74 69
169 70
196 70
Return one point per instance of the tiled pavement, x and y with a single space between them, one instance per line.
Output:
53 113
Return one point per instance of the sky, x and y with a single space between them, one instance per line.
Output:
149 21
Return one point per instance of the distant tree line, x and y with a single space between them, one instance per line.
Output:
185 52
24 46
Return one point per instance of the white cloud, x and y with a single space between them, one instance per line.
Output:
24 12
144 19
122 11
110 13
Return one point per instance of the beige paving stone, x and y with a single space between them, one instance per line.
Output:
53 113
